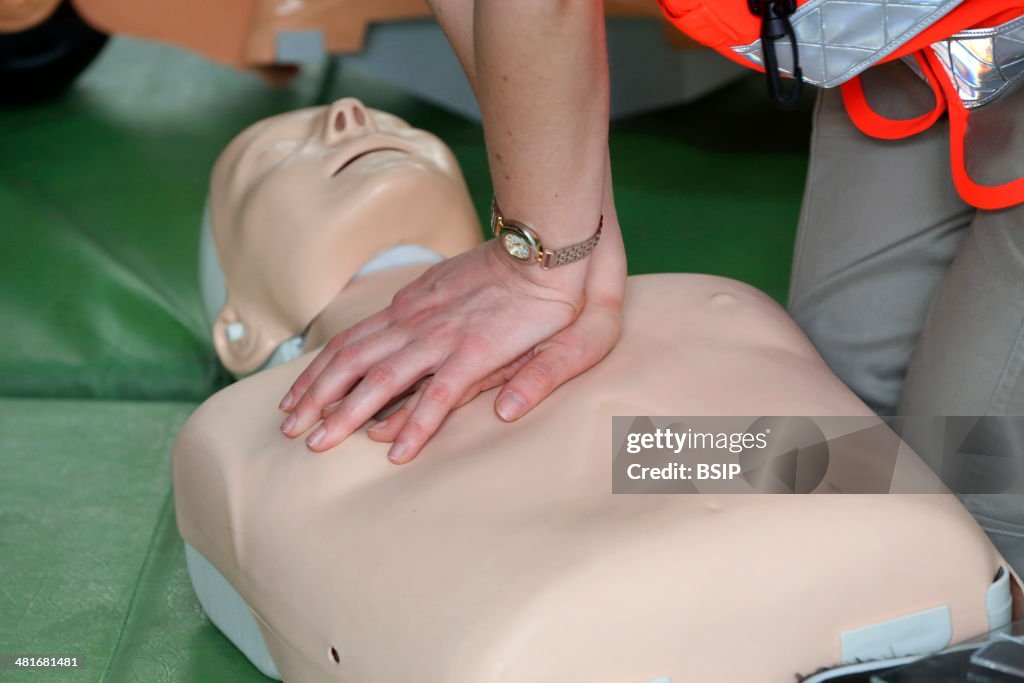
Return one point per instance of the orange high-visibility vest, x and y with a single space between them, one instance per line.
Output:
968 51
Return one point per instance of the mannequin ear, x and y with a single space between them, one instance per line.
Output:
238 345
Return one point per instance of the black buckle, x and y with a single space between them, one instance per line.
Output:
775 25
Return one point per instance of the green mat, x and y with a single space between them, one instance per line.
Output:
90 560
101 195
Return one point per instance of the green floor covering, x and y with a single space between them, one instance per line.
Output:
100 200
101 196
91 564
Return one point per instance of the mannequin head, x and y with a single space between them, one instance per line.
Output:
300 201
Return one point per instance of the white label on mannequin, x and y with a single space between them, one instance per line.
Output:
999 601
914 634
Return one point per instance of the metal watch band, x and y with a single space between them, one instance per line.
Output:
572 253
522 243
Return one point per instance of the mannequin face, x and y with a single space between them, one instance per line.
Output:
337 155
300 201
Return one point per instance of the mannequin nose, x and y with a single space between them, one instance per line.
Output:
347 118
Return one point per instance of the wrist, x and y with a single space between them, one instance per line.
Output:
567 281
521 242
567 277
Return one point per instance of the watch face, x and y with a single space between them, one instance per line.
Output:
518 242
516 246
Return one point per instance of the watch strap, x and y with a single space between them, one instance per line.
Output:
572 253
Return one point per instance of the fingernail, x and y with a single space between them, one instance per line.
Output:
380 425
316 437
510 406
287 403
396 452
330 408
289 423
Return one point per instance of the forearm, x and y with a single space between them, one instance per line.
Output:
542 85
539 70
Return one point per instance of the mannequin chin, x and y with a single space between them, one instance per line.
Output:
501 553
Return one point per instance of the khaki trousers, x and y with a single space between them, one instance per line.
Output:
914 298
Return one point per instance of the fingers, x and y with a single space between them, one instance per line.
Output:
341 372
368 326
530 379
495 379
387 429
382 382
554 362
438 397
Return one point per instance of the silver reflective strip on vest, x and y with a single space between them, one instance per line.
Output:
838 39
983 63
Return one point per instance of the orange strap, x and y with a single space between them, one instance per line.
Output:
981 196
870 122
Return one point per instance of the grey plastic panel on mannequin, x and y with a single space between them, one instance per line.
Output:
501 554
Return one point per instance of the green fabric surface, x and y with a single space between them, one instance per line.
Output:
101 195
714 187
91 563
84 497
166 637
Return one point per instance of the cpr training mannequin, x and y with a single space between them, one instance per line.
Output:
501 554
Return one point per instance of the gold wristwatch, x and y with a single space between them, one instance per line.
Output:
522 242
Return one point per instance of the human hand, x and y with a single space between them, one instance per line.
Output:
459 323
533 376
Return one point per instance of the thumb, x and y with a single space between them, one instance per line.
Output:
534 382
554 362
